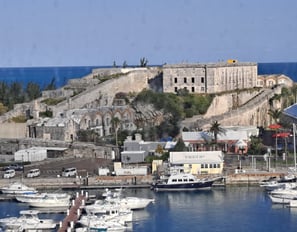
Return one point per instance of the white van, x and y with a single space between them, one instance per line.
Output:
33 173
68 172
9 173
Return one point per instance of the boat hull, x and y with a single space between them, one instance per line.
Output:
46 200
183 186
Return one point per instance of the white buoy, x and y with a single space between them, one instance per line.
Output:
77 194
73 202
60 224
82 192
83 202
68 212
87 195
71 224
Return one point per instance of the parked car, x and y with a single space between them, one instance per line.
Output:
33 173
16 167
10 173
69 172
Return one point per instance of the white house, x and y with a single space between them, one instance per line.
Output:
204 162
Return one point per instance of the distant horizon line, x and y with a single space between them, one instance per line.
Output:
128 66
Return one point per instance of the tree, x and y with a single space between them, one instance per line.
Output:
275 114
52 85
33 91
143 62
3 109
159 150
180 146
115 122
216 129
294 91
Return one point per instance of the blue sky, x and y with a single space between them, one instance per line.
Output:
99 32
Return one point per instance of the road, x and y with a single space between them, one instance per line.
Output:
53 167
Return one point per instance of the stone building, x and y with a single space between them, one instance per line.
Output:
268 81
209 78
234 139
67 125
135 151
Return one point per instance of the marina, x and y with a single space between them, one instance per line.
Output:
250 207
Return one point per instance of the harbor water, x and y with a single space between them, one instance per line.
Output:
241 209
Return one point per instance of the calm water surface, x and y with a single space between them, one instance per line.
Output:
231 209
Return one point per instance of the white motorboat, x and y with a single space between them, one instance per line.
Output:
278 199
28 221
18 188
133 203
102 207
112 215
284 182
99 224
45 200
286 193
183 182
283 196
274 185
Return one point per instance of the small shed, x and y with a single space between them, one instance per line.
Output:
37 153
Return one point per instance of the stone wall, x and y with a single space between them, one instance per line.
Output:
225 103
13 130
75 149
134 81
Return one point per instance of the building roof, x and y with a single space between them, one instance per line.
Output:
209 65
291 111
197 157
196 135
230 133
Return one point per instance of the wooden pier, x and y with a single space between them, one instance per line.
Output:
73 213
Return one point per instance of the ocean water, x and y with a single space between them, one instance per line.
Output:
44 75
240 209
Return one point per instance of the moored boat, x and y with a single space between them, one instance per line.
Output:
183 182
18 188
133 203
45 200
28 221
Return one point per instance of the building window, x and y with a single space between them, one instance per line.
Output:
193 79
202 165
175 89
210 165
175 80
193 89
202 79
218 165
202 89
185 80
206 166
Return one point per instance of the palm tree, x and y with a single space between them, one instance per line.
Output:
216 129
275 114
115 122
294 92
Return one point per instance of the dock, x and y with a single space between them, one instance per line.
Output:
73 213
